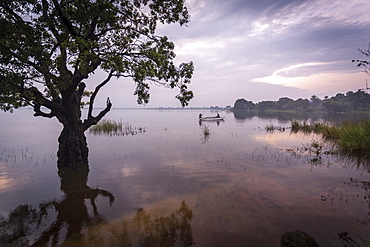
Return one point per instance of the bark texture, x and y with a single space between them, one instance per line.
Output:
73 150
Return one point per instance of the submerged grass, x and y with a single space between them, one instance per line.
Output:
350 138
272 128
205 130
115 128
106 126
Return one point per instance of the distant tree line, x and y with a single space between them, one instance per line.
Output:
358 101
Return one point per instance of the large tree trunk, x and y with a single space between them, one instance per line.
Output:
73 150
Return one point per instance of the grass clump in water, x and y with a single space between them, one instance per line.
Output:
106 126
272 128
350 138
305 127
206 131
115 128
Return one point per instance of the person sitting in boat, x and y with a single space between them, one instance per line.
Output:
218 115
200 115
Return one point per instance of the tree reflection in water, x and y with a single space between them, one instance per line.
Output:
73 225
70 213
146 229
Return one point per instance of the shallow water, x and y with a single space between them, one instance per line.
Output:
173 186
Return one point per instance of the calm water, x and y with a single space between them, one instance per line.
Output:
173 186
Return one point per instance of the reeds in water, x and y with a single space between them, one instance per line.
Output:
205 130
272 128
115 128
305 127
106 126
350 138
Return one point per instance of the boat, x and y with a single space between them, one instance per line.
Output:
211 118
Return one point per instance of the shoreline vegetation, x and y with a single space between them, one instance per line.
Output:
349 138
340 103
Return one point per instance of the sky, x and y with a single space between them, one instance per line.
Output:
262 50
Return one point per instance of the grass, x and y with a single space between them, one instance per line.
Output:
113 128
317 127
106 126
205 130
205 133
271 128
350 138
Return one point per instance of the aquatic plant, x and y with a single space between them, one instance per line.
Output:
350 138
305 127
205 130
271 128
115 128
106 126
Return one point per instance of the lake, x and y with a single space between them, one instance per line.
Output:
164 182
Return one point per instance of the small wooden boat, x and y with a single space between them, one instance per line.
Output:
211 118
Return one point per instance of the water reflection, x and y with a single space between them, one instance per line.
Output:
319 151
241 188
312 116
69 222
70 214
215 121
146 229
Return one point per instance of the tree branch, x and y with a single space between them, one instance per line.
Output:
64 18
11 12
45 6
92 98
34 95
38 112
94 120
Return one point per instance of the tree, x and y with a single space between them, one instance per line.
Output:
48 48
266 105
285 103
364 63
242 104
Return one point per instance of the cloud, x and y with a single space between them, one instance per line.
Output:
264 50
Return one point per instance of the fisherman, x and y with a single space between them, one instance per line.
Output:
218 115
200 115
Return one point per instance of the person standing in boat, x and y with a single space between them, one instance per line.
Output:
218 115
200 115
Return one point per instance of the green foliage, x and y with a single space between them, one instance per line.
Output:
57 45
350 138
358 101
106 127
115 128
317 127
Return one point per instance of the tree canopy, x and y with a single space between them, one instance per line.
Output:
49 47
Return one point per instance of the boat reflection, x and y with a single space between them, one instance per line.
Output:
213 121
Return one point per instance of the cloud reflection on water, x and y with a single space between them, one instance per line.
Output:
241 186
